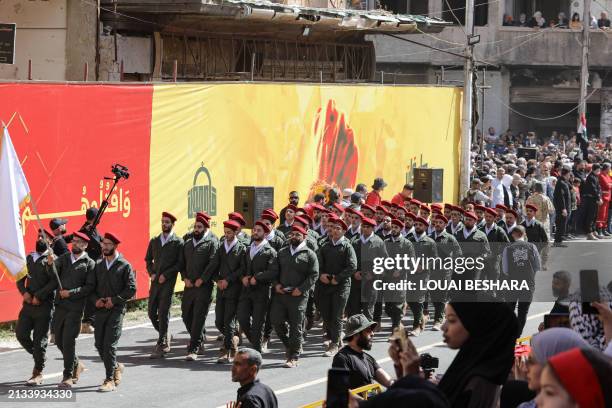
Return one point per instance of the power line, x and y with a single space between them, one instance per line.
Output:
425 45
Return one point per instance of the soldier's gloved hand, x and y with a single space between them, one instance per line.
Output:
253 281
198 282
35 301
324 278
296 292
27 297
279 289
108 303
188 283
64 294
162 279
334 281
100 303
245 281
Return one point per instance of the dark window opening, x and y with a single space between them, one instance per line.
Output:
454 11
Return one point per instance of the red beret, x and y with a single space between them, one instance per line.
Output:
300 209
301 230
436 211
340 222
368 207
456 208
439 216
307 217
501 207
479 207
422 221
447 205
112 237
203 214
302 220
81 235
397 222
425 207
203 221
268 216
436 205
349 210
411 215
471 215
271 212
232 224
338 207
532 207
168 215
491 211
514 213
332 216
358 213
264 226
291 207
414 201
368 221
402 208
236 216
386 203
383 209
318 207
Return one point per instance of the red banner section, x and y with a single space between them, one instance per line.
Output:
67 137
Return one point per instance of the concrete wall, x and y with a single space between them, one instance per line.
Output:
41 37
80 39
606 113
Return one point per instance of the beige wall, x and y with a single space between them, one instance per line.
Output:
41 37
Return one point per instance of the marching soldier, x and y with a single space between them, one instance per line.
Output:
337 263
289 213
455 225
76 273
163 260
354 229
473 244
260 270
408 231
394 299
385 228
480 211
536 233
367 247
241 235
227 267
298 272
204 215
447 247
501 209
36 288
198 252
511 222
115 284
424 247
58 228
497 239
94 250
319 218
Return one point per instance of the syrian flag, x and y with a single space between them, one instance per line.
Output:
582 128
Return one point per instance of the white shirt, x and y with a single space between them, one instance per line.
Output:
73 259
365 240
338 242
408 232
497 192
287 224
229 246
510 228
254 249
529 222
195 243
357 231
487 229
35 255
298 248
110 264
165 239
467 233
271 235
454 229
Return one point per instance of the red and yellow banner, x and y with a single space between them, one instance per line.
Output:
187 146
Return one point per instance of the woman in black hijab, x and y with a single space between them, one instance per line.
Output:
485 334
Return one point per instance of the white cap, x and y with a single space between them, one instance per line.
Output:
347 192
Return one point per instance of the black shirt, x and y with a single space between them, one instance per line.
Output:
362 366
256 395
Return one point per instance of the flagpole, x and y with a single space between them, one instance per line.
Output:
40 227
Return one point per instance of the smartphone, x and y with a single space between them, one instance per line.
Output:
556 320
589 290
337 388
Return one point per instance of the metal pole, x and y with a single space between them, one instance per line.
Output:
29 70
85 72
466 120
481 118
121 72
584 68
40 227
252 67
175 70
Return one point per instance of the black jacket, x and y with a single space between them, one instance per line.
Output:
591 188
338 260
228 266
39 281
78 278
118 282
196 258
263 267
164 260
561 196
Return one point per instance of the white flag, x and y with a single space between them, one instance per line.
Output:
14 195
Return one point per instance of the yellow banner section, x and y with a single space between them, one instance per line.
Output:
206 139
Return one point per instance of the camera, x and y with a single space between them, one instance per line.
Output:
120 171
428 362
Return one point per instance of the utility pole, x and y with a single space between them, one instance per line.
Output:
584 68
466 120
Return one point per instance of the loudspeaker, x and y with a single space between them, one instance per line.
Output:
428 185
529 153
250 201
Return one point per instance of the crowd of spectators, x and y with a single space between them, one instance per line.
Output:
538 20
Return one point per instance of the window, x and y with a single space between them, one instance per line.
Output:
454 11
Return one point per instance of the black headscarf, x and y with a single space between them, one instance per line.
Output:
488 353
409 391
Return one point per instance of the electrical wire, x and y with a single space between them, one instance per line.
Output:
456 18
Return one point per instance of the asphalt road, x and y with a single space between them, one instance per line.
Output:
175 382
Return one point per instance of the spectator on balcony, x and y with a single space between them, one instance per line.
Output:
594 23
576 24
562 21
508 21
522 21
537 21
604 21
